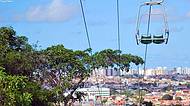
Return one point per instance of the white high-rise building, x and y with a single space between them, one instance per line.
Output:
156 71
183 71
107 72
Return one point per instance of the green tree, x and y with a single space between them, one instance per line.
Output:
40 96
19 58
50 75
114 58
12 90
167 97
66 71
178 98
15 52
128 93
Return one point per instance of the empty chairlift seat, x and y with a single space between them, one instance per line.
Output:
146 39
158 39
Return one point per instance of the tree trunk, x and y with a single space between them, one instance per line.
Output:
74 88
66 102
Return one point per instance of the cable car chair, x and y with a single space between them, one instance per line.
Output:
156 39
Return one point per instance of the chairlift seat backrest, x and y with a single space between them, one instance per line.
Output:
146 39
158 39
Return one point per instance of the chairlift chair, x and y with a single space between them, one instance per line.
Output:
156 39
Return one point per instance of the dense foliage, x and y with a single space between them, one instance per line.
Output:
51 76
114 58
12 90
167 97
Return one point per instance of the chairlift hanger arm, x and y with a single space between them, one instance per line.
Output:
138 17
137 23
165 18
149 3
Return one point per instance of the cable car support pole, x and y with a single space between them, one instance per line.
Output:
148 30
146 48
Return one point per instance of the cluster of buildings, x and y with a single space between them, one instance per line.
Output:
147 72
93 92
182 70
106 72
181 97
108 86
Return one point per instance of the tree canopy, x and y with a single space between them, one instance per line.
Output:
114 58
12 90
36 77
167 97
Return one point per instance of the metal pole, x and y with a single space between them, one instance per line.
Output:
146 51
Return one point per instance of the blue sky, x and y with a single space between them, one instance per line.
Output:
54 22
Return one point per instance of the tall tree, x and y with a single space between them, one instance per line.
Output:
15 52
55 72
66 70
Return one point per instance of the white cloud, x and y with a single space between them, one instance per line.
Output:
57 10
6 1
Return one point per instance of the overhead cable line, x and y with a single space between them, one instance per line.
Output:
89 45
118 37
85 25
118 26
